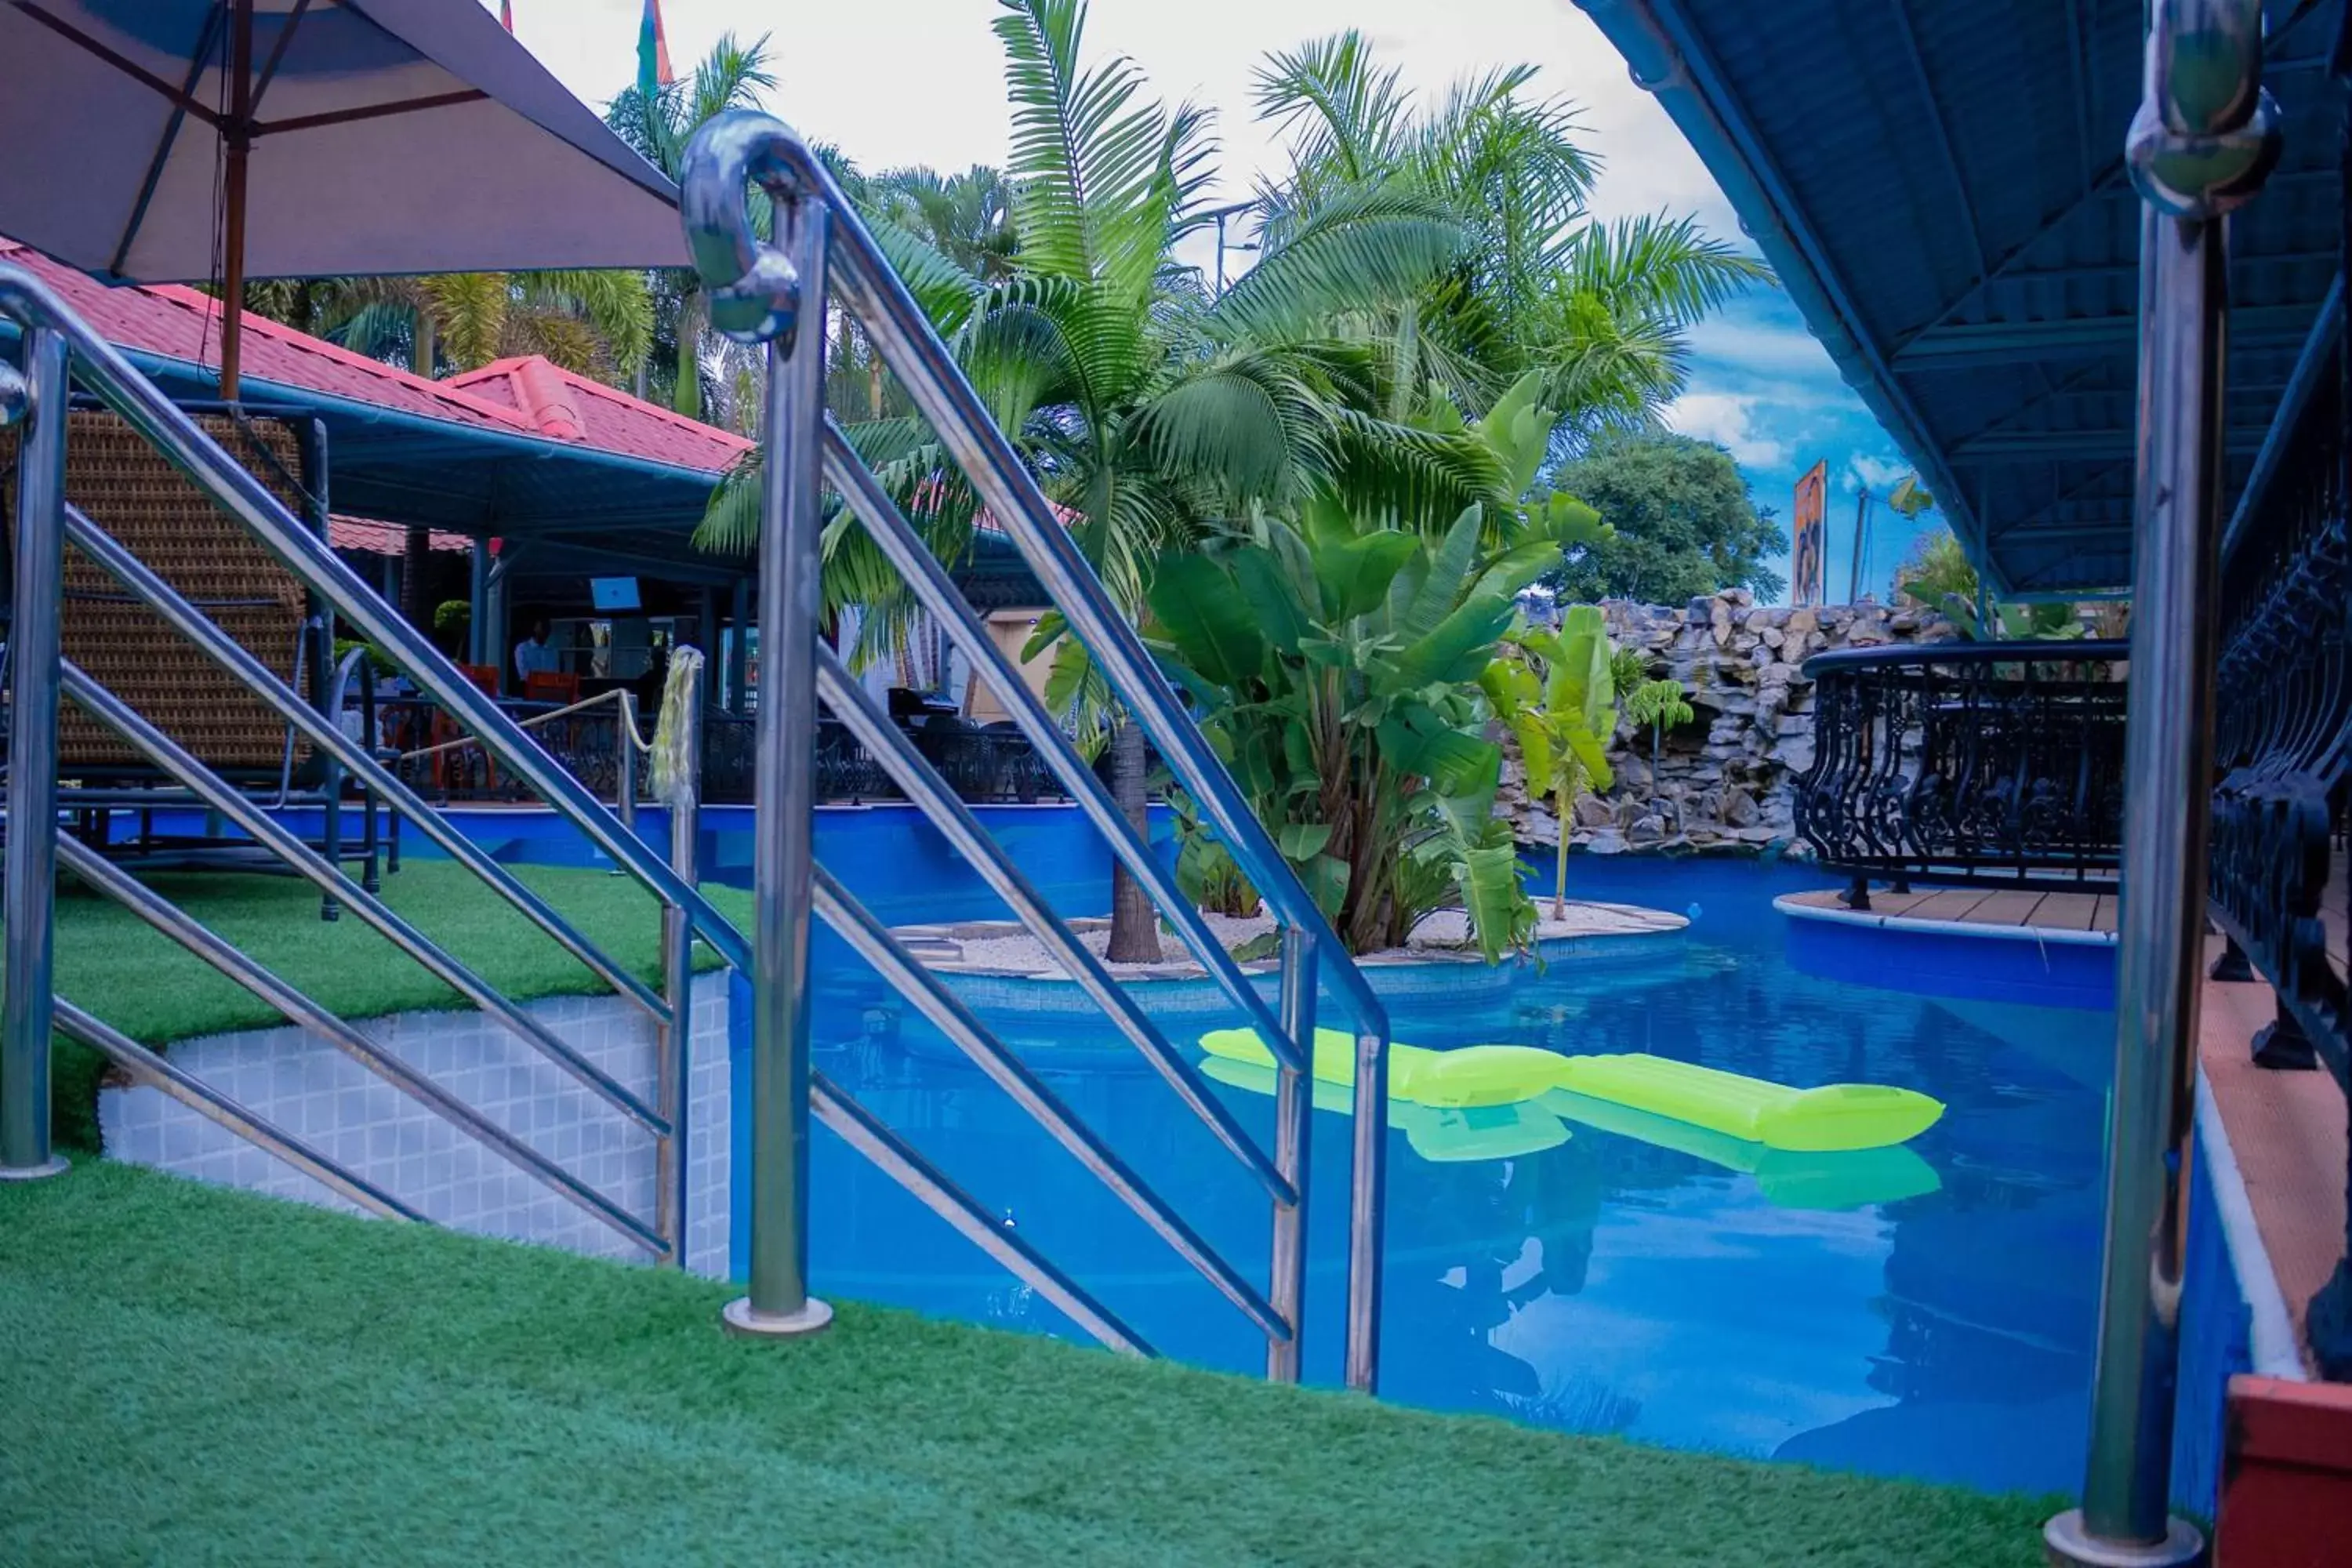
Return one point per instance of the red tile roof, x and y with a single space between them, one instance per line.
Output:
184 323
387 538
572 407
530 395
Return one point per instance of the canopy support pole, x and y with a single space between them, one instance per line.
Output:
237 140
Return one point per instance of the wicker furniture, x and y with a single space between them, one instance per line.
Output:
131 490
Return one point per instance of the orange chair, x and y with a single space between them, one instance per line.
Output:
449 766
545 685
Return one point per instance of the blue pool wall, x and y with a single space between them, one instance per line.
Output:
1947 963
887 853
2216 1343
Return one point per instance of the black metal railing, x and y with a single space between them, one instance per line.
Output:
2282 743
1981 762
983 764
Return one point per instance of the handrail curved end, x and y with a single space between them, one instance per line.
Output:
754 288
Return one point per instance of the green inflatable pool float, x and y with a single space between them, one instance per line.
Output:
1445 1135
1834 1118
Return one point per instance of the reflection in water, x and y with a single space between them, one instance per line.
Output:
1924 1309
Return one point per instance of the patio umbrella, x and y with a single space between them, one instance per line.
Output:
178 141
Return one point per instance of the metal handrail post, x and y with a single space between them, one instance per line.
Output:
1293 1113
27 1007
783 856
102 369
2199 146
673 1036
1367 1185
625 786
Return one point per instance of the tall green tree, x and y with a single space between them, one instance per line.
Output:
1684 524
1600 310
1146 412
694 364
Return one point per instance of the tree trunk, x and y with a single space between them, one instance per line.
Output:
1563 802
422 348
1134 922
686 397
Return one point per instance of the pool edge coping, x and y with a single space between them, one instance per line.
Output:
1869 919
2273 1345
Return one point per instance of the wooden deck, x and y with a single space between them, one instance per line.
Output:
2015 909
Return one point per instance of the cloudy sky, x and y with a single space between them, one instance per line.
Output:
919 81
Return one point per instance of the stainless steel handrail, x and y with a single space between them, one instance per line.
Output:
46 521
937 591
150 1068
169 755
98 366
856 925
864 1131
109 555
965 836
169 919
780 296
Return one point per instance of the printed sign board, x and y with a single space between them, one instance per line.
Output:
1809 561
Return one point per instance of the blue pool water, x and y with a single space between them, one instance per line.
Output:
1925 1312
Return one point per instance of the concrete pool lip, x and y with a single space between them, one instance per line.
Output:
1005 949
1794 906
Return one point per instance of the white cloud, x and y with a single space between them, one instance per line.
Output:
942 99
1863 471
1727 419
1726 343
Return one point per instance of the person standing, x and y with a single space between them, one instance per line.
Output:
536 655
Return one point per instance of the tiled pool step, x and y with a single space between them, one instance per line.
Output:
299 1081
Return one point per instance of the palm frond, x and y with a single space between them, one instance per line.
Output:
1340 106
1371 249
616 306
1655 264
470 311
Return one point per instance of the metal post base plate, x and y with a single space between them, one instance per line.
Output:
739 1317
33 1173
2071 1545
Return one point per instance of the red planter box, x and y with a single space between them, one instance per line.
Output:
2287 1485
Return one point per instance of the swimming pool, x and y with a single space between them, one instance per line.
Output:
1929 1315
1929 1312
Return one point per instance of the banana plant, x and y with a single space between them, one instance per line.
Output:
1335 667
1653 705
1559 700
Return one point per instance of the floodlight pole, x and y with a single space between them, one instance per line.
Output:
2201 146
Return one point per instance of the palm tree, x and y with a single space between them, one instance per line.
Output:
732 76
1148 413
594 323
965 218
1601 310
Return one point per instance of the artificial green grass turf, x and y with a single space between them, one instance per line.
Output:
196 1376
111 964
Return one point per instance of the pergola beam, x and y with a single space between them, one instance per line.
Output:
2101 446
1962 344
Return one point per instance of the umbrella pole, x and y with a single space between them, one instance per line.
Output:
239 136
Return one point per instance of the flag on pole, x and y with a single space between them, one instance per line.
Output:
653 54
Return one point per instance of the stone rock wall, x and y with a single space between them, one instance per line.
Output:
1722 782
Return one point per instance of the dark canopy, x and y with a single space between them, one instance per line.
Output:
1942 188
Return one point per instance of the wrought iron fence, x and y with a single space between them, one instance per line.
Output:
989 764
2282 743
1984 762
